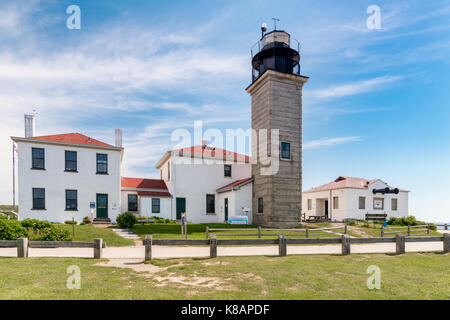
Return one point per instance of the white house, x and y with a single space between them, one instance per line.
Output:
67 176
351 198
195 177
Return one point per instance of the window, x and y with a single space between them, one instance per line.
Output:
362 202
102 163
71 200
227 170
156 205
335 202
132 202
210 203
285 150
38 198
394 204
378 203
38 158
71 161
309 204
260 205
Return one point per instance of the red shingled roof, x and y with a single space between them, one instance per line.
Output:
344 182
143 183
208 151
154 194
234 184
73 138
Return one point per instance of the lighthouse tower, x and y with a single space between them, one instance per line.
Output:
276 92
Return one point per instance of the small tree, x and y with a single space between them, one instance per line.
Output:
126 220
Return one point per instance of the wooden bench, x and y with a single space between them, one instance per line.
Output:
376 216
317 218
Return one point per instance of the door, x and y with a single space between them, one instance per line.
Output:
102 205
326 208
226 209
181 207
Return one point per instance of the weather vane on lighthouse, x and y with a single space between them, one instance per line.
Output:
275 23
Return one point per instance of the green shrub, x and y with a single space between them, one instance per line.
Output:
126 220
86 220
12 230
71 222
351 223
35 224
55 233
409 221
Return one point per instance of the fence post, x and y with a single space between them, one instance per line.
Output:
148 247
345 229
428 229
259 232
382 231
399 244
207 232
98 248
345 244
22 248
446 242
306 232
409 231
213 246
282 250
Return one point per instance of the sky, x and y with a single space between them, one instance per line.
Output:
376 104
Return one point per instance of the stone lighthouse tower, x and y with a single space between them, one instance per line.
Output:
276 92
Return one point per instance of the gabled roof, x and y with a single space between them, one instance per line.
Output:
77 138
236 185
344 182
207 152
138 183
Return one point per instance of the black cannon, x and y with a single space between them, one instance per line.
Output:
386 190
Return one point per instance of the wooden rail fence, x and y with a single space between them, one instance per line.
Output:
282 242
22 245
409 230
306 232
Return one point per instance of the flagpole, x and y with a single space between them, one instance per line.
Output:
14 177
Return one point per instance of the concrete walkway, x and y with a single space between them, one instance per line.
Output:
127 234
162 252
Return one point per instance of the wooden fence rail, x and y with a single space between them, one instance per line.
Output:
409 230
282 242
22 245
306 232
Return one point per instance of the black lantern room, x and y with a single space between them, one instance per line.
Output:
274 52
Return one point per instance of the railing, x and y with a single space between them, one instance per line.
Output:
282 242
306 232
409 230
23 244
445 225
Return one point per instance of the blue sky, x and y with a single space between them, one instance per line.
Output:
376 104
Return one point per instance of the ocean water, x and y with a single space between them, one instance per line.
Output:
442 227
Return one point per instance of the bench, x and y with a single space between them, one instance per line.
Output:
376 216
317 218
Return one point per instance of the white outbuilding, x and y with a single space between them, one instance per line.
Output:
352 198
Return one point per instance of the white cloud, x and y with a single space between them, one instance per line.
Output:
327 142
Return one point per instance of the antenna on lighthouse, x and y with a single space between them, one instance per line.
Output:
275 23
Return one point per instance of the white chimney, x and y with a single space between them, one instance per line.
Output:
119 138
29 125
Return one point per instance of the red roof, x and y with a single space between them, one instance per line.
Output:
143 183
234 184
214 152
73 138
154 194
344 182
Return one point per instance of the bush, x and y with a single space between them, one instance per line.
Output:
71 222
35 224
12 230
55 233
126 220
86 220
409 221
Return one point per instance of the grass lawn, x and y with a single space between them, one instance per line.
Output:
409 276
89 233
198 231
374 230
